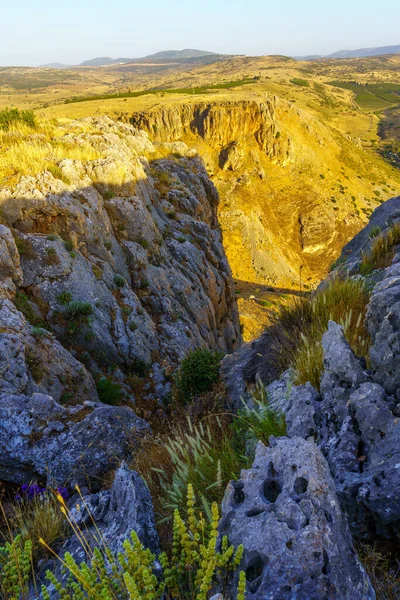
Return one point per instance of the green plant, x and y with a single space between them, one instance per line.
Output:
51 257
190 572
68 245
15 568
23 304
198 372
108 391
375 230
119 281
260 421
78 308
39 517
64 298
382 250
39 332
11 116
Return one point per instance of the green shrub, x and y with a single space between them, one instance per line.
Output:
198 372
108 391
68 245
39 332
77 309
138 367
11 116
64 298
375 230
51 257
382 250
119 281
21 302
39 517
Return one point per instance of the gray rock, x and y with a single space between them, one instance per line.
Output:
126 507
383 322
301 409
285 512
86 443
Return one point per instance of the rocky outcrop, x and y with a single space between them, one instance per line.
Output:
115 267
285 512
150 264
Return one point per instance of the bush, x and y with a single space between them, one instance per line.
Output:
64 298
206 456
38 516
119 281
108 391
382 250
21 302
11 116
198 372
77 309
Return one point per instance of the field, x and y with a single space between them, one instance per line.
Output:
372 96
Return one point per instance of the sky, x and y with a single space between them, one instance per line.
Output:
42 31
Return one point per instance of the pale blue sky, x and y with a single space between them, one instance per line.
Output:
40 31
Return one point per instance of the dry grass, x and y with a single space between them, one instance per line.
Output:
382 250
297 331
384 574
40 517
24 151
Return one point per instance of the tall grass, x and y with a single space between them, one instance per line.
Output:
382 250
204 455
298 328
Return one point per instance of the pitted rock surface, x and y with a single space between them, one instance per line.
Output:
285 512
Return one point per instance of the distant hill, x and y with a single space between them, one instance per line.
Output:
98 62
362 52
55 65
167 55
178 54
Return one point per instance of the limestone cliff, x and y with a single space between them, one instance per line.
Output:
111 267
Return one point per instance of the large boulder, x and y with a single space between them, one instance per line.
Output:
285 512
40 438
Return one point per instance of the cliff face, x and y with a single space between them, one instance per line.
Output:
114 267
225 126
293 189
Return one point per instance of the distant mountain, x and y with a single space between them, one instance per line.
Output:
98 62
55 65
178 54
167 55
362 52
